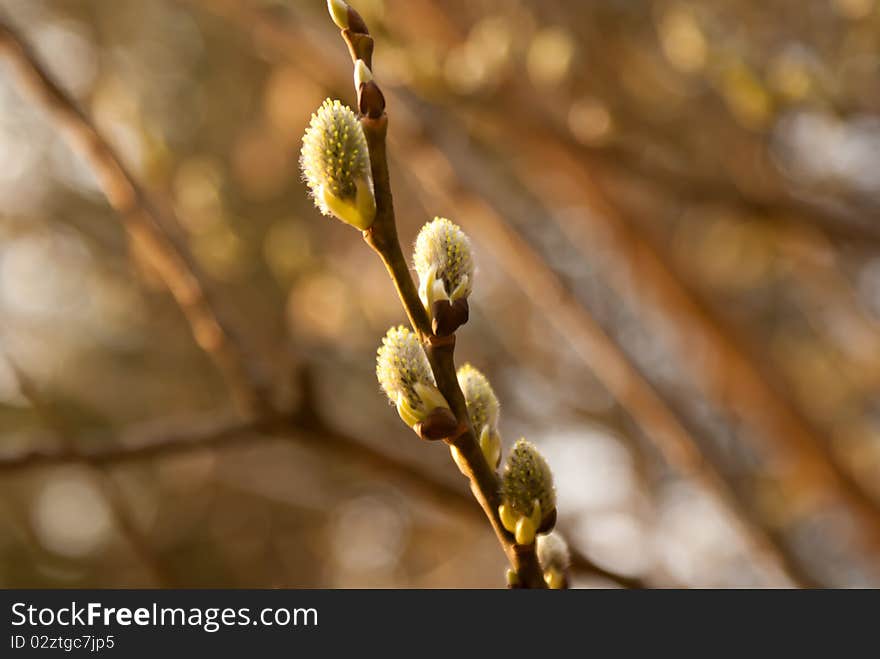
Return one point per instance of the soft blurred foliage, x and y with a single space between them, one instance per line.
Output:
740 139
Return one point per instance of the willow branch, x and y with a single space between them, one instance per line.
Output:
141 220
119 512
302 427
382 234
382 238
596 350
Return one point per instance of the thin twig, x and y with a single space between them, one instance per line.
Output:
382 238
142 221
119 512
304 428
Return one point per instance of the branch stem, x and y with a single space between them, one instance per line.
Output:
144 223
382 237
382 234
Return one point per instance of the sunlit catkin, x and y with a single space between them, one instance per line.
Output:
405 375
554 557
527 493
444 262
483 410
336 165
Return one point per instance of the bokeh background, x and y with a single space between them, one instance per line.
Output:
675 211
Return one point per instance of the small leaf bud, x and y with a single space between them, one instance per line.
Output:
339 13
554 557
336 165
490 445
346 18
371 100
362 74
458 458
512 578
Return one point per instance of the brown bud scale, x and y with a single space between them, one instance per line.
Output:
440 423
449 316
371 100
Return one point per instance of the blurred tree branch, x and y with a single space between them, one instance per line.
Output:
143 222
730 375
303 427
138 544
599 352
839 222
843 220
726 372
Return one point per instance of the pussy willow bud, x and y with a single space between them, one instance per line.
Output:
345 17
512 579
362 74
371 100
527 493
338 12
405 375
458 458
554 558
483 410
336 165
444 262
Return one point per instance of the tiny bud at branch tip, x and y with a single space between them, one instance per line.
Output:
362 74
339 13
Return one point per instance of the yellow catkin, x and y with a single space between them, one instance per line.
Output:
335 163
482 403
443 250
527 478
401 364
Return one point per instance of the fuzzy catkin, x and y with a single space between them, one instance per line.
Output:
553 553
482 403
526 478
444 251
334 156
401 364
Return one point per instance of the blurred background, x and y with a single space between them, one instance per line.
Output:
675 210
